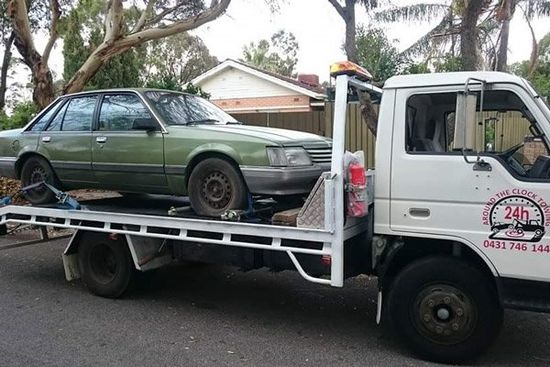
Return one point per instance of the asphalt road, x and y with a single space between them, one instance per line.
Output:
210 316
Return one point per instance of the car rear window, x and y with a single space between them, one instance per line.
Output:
79 114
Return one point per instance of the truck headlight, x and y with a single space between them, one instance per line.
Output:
284 157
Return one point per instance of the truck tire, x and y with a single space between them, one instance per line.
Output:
106 266
37 169
215 186
444 309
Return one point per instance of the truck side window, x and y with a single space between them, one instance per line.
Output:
427 126
506 130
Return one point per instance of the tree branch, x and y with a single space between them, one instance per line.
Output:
338 8
17 11
206 16
113 20
56 13
160 16
115 46
141 21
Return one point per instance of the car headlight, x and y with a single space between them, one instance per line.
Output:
283 157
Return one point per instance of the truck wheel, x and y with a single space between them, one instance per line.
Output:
444 309
215 186
106 266
37 169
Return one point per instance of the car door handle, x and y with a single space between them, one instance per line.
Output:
46 139
101 139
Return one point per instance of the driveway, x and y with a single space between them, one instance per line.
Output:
188 315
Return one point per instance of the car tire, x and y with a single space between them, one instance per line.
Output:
215 186
444 309
106 265
37 169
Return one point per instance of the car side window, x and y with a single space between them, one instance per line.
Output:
55 124
79 114
119 111
43 120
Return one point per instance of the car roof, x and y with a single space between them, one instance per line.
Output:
120 90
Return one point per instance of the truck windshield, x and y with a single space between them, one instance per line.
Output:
185 109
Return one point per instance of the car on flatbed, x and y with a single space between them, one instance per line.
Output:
160 142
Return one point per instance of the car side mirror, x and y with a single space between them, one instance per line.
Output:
147 124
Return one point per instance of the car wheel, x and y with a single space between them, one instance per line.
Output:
215 186
445 310
106 266
37 169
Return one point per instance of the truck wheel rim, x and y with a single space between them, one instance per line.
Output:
216 190
444 314
103 263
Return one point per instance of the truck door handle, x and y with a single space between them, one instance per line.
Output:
419 212
46 139
101 139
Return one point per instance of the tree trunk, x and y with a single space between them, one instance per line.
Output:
469 49
350 46
4 71
502 55
42 79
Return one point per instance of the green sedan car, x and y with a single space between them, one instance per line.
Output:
159 142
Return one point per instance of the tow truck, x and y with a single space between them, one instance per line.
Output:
422 223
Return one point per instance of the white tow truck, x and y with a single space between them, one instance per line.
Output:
456 222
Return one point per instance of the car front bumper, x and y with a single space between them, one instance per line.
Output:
282 180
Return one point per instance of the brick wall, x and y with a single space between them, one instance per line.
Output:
293 103
532 149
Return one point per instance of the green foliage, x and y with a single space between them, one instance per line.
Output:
168 83
377 54
278 55
541 77
22 113
177 59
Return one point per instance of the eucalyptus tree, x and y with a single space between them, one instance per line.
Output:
155 19
457 28
346 10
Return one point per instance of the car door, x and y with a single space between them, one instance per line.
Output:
435 191
124 158
66 141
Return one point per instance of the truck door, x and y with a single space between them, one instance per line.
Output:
500 208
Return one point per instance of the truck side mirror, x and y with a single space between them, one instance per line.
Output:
465 122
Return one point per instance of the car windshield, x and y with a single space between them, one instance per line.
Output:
184 109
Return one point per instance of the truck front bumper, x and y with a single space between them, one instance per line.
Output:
282 180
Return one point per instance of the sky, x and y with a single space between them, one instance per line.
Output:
318 29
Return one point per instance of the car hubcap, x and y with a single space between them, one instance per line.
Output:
444 314
38 174
216 190
103 263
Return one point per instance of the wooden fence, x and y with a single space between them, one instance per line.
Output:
358 136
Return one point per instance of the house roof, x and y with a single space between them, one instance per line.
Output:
314 91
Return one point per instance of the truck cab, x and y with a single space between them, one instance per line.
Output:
463 175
